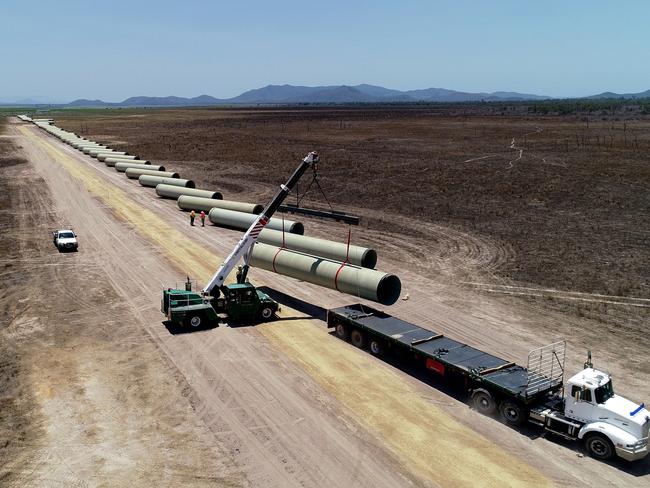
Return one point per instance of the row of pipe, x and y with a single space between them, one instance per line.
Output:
282 248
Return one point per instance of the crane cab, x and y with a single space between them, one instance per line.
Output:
242 302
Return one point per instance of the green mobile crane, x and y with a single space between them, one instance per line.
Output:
240 301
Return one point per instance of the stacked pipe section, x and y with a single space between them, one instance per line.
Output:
242 221
281 248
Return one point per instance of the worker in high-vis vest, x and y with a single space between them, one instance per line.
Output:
192 215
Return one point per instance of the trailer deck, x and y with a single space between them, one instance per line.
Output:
445 355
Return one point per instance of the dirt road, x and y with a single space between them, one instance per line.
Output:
286 404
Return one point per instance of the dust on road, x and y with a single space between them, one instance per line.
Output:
86 398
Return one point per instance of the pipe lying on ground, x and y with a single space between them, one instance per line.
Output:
81 145
107 153
336 251
103 156
154 181
188 202
87 149
361 282
242 221
124 157
122 167
114 161
134 173
95 152
169 191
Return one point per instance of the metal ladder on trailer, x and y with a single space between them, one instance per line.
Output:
545 367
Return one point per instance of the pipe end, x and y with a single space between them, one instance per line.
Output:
389 289
297 228
369 259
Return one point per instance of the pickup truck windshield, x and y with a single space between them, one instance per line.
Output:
66 235
605 392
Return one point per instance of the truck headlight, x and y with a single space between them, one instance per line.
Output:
638 444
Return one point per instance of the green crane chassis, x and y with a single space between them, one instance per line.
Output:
238 303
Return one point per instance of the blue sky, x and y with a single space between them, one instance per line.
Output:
111 50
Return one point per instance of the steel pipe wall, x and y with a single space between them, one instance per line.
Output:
134 173
365 283
242 221
169 191
336 251
122 167
187 202
153 181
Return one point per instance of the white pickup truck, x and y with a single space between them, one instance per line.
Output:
65 240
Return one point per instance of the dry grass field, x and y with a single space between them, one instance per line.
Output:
569 195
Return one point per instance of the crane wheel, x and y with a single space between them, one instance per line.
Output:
357 338
266 313
513 413
483 401
598 446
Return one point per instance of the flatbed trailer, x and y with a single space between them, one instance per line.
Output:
607 423
444 356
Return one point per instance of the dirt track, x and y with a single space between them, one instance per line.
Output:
287 404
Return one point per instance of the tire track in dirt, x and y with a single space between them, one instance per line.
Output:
482 460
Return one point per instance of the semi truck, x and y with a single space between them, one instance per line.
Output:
585 408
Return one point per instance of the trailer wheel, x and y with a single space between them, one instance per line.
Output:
376 347
357 339
483 401
341 331
513 412
598 446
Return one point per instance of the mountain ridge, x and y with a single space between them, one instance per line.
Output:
334 94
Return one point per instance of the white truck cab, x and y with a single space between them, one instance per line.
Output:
610 423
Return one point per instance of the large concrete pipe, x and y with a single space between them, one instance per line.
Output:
87 149
172 191
134 173
122 167
113 161
103 155
361 282
154 181
95 152
123 157
336 251
82 145
187 202
242 221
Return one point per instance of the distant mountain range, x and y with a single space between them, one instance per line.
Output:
290 94
337 94
645 94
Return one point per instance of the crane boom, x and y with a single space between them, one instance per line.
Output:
253 232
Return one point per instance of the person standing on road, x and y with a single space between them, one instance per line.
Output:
192 215
202 216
